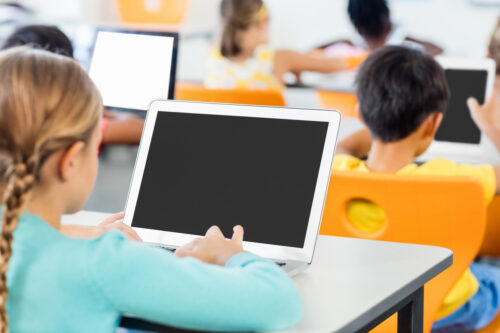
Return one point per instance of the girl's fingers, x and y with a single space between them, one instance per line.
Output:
136 235
132 235
113 218
214 231
185 250
238 234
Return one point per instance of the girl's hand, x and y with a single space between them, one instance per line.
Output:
81 231
214 248
486 116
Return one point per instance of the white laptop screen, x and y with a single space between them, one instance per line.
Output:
133 69
457 125
205 170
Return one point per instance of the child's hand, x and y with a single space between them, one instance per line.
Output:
486 116
214 248
81 231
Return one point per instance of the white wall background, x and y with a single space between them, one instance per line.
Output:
460 27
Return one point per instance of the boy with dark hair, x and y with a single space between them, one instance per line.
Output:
48 37
117 127
403 95
372 20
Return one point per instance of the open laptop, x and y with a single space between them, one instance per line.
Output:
132 68
458 137
204 164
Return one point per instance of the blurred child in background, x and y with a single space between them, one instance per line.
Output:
244 60
375 28
117 127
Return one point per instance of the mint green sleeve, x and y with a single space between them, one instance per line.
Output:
250 293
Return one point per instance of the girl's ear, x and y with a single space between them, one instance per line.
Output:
263 23
69 161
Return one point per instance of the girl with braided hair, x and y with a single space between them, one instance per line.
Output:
50 113
244 59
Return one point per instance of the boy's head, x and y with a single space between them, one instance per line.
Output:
45 37
399 91
371 18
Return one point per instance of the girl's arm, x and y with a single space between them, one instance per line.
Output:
290 61
249 293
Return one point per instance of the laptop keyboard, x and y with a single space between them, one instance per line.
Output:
171 249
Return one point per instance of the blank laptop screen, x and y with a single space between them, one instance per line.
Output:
205 170
131 70
457 125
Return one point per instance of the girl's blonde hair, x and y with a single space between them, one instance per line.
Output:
494 48
238 16
47 103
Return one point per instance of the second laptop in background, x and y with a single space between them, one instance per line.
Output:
133 68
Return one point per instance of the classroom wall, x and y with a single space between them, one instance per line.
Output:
460 27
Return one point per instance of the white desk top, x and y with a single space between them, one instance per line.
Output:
350 281
342 81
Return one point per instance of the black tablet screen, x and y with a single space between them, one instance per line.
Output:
457 125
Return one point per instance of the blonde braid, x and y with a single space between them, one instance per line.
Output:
21 181
47 104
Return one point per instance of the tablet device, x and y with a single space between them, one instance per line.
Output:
458 136
133 68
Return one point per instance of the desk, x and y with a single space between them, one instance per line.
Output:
352 284
341 81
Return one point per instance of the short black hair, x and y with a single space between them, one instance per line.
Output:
45 37
370 17
398 88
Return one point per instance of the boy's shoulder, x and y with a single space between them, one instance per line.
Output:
446 167
485 174
343 162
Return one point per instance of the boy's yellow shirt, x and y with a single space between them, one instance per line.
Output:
369 217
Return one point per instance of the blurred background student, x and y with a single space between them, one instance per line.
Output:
375 29
244 59
117 127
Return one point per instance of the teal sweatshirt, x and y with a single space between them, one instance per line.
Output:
61 284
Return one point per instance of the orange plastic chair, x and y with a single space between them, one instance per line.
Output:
491 242
449 212
170 12
344 102
197 92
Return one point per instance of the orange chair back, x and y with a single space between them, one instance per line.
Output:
170 12
449 212
197 92
491 243
344 102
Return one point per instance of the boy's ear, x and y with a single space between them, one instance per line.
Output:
357 110
432 123
69 160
